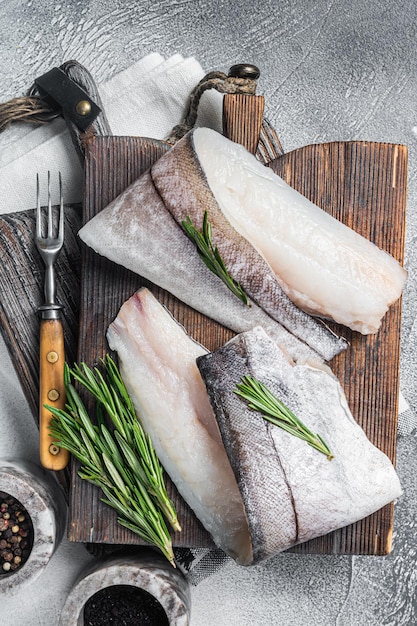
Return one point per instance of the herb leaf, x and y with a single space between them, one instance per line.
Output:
261 399
122 461
210 254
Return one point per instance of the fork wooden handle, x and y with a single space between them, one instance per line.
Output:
52 391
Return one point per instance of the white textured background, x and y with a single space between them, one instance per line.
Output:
330 70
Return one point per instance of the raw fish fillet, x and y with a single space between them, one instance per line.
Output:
158 365
137 231
322 265
292 492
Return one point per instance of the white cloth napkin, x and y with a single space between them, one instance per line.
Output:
407 419
148 99
155 93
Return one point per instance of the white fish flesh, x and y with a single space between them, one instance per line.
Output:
158 365
292 492
138 231
325 267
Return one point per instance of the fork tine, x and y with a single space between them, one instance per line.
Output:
61 210
50 233
54 226
38 210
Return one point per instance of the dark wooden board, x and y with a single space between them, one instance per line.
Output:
22 277
363 184
112 163
242 119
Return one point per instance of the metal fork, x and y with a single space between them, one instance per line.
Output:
52 352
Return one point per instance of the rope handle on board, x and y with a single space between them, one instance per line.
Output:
77 100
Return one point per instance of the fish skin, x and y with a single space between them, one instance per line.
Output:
255 462
182 185
323 495
138 232
158 365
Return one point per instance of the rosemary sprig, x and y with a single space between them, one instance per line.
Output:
261 399
123 463
210 254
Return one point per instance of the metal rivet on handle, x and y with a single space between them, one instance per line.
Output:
245 70
52 356
54 449
53 395
83 107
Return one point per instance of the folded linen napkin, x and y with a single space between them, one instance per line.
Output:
147 100
407 419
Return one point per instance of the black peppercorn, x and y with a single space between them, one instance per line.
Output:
16 534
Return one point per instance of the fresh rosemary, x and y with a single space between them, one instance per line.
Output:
123 463
261 399
210 254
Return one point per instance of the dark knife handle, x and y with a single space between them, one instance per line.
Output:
51 391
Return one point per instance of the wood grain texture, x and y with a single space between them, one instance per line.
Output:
364 185
111 165
51 391
361 183
242 119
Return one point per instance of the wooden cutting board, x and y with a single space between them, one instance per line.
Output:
363 184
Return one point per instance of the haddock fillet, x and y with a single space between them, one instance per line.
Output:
141 231
292 492
158 365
